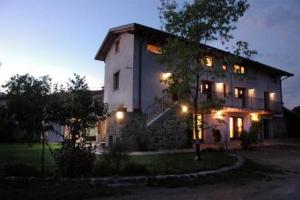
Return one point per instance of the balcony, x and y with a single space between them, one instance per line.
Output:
247 103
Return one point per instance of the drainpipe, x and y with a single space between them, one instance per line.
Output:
140 73
281 88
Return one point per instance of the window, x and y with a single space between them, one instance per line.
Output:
116 80
224 67
221 89
239 92
117 45
199 127
154 49
239 69
209 61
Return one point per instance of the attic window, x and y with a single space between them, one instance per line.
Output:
239 69
209 61
154 49
117 44
224 67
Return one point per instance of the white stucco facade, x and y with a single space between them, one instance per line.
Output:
140 83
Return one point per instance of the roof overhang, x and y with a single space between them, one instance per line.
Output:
149 32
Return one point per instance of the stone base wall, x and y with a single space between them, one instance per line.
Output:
168 132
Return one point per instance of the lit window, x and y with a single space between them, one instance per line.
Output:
224 67
221 88
239 92
199 127
209 61
240 125
239 69
154 49
231 127
116 80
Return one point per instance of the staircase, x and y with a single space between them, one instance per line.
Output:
157 110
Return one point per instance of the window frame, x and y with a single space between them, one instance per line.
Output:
116 80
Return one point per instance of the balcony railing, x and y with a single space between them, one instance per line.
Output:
245 102
249 103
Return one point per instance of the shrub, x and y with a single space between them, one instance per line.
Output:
19 170
248 138
217 135
74 160
116 156
133 168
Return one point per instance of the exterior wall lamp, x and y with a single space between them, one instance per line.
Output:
120 114
165 76
254 117
219 114
184 109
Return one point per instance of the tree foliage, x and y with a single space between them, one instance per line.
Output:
193 26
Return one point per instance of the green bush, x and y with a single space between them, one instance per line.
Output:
134 169
116 156
74 160
19 170
247 139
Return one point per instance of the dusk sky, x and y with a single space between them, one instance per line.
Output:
61 37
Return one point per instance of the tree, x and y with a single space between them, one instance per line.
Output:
185 54
27 99
75 109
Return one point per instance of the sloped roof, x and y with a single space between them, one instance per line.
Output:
135 28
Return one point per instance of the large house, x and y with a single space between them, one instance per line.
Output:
133 81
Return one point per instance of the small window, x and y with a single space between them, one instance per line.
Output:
116 80
117 46
239 92
154 49
209 61
239 69
224 67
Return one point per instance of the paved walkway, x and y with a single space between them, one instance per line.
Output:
233 145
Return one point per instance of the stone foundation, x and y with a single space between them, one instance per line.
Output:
168 132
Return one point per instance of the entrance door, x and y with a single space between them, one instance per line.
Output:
199 127
236 126
266 128
267 101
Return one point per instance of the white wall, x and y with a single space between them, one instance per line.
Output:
121 61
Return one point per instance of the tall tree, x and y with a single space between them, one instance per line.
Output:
185 55
27 99
75 108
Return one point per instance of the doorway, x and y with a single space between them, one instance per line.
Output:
236 126
206 89
266 128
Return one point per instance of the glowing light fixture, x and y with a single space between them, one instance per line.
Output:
184 108
272 96
254 117
165 75
120 115
219 115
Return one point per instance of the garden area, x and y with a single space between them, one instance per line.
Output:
25 160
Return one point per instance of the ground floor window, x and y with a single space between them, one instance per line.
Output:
199 127
236 126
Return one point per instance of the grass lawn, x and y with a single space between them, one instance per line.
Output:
27 154
155 164
177 163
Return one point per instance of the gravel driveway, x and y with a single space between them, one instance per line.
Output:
286 186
